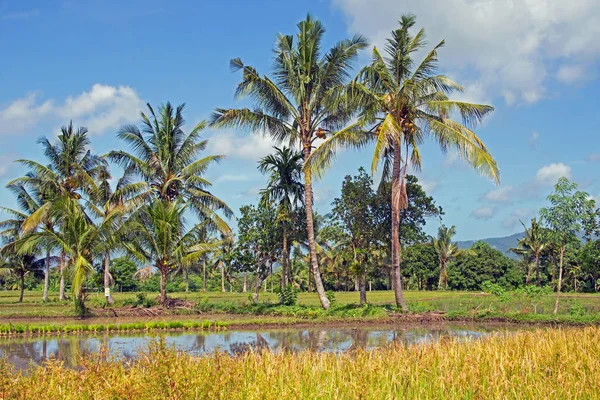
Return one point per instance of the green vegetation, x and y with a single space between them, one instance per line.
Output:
557 363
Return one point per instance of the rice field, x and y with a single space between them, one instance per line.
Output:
555 363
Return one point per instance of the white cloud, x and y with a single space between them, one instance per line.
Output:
549 174
511 48
500 195
248 147
101 108
570 73
515 217
483 213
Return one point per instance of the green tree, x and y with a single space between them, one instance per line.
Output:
166 159
589 259
563 218
483 263
122 270
258 241
354 209
285 189
531 247
158 233
420 263
300 104
406 102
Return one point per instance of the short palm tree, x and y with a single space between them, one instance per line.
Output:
285 189
301 102
403 103
531 246
222 256
165 158
446 251
157 233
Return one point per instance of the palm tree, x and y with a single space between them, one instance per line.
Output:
446 252
157 233
404 103
79 240
70 174
531 246
300 104
165 158
29 202
284 188
14 263
107 204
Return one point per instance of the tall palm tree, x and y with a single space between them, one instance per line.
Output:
158 234
300 104
446 252
166 159
69 174
403 103
284 188
222 256
531 246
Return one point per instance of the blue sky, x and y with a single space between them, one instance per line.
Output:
98 63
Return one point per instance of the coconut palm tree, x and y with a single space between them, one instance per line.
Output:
12 262
446 252
69 174
79 240
402 103
531 246
222 256
299 104
28 203
284 188
121 201
166 159
158 234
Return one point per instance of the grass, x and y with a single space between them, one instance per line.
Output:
34 316
546 363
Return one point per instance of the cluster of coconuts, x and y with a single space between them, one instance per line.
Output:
320 133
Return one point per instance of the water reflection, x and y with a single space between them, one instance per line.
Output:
21 352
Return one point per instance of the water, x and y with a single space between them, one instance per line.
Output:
23 352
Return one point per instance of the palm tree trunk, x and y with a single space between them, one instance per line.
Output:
443 282
284 261
187 281
395 207
222 277
61 289
537 270
204 275
22 287
163 286
560 272
528 277
312 249
46 277
109 298
361 279
245 289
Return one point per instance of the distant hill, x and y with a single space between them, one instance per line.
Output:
502 244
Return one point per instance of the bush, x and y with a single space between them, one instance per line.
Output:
288 296
331 297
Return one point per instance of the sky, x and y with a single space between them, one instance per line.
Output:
99 63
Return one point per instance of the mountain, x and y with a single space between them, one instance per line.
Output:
503 244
